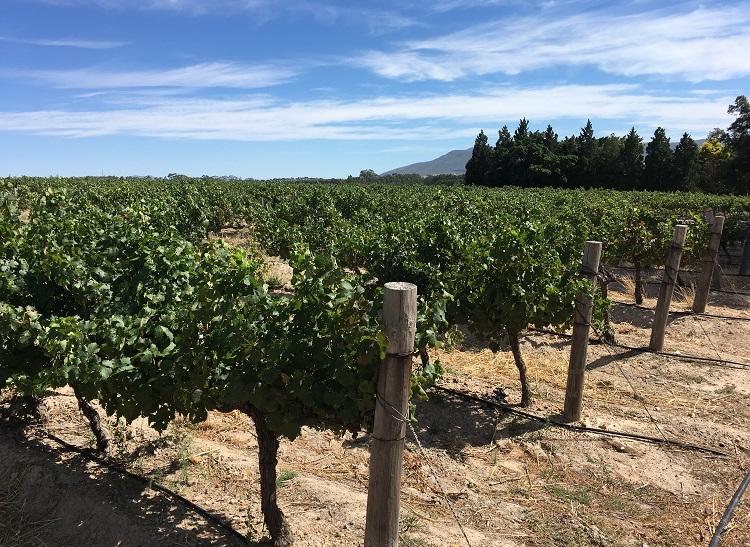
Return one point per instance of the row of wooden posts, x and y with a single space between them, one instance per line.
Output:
399 323
584 303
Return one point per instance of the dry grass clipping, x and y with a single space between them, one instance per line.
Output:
17 529
684 296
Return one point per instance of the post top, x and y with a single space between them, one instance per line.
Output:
400 286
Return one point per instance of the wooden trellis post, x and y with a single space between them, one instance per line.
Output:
710 261
671 270
392 406
581 325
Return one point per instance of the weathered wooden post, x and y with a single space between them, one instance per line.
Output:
581 324
745 264
389 429
710 260
671 270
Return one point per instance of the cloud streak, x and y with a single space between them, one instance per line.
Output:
695 45
377 20
198 7
263 118
203 75
74 43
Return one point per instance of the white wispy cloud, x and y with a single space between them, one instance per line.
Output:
450 5
700 44
203 75
263 118
71 42
376 19
190 6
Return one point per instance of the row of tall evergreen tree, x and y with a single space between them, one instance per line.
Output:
539 158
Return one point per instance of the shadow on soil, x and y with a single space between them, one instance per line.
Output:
53 496
605 360
451 423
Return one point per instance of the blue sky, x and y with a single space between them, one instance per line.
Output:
272 88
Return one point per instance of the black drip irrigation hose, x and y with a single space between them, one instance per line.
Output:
722 362
721 291
581 428
737 293
683 313
727 517
219 523
632 268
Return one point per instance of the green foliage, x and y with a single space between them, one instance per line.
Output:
153 325
111 284
520 279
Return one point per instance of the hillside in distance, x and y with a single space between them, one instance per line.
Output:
454 163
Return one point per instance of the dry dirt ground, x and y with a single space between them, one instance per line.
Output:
510 481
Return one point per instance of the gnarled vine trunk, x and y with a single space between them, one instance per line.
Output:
102 434
424 357
638 283
515 348
268 449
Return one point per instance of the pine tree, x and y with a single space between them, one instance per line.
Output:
522 131
740 126
501 157
586 150
631 160
658 173
738 140
478 167
605 164
567 151
550 139
685 155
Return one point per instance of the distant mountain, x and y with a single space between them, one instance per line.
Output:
454 163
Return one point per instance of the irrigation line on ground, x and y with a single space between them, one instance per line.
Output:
632 268
581 428
150 483
683 312
727 516
721 291
726 362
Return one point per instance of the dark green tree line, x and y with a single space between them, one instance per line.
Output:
529 158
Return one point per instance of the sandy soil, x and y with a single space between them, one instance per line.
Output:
511 481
